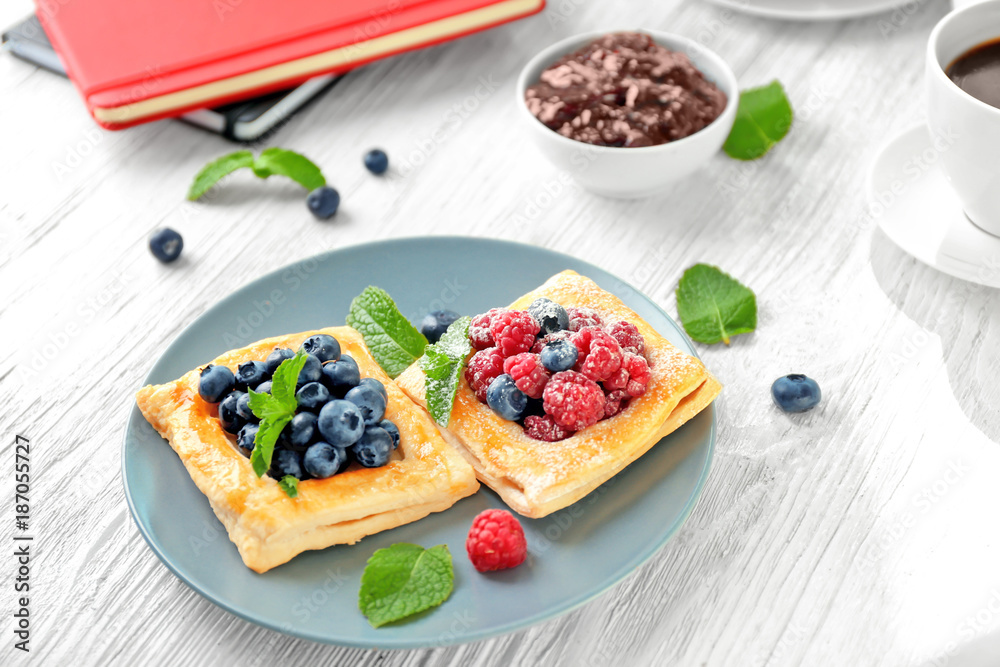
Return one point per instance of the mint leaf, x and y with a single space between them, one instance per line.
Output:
762 120
263 447
404 579
288 163
714 306
290 485
285 379
215 170
271 161
274 410
390 337
443 363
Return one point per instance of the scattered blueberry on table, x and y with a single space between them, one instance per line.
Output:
796 393
376 161
323 202
166 244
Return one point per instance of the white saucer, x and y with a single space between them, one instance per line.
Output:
916 207
811 10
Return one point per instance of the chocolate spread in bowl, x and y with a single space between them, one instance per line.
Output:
623 89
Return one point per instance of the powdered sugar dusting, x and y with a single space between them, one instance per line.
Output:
541 468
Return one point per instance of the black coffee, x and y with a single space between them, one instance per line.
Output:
977 72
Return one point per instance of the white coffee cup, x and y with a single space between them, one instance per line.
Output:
971 155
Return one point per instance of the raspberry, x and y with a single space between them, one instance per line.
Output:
618 379
514 331
544 428
528 373
479 329
583 317
484 367
614 402
600 354
496 541
542 341
638 374
628 336
573 400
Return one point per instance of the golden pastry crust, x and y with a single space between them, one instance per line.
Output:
537 478
425 474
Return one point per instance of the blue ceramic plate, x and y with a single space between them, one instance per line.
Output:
574 554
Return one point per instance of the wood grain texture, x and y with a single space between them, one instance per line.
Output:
862 533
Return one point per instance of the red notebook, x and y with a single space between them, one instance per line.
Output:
139 60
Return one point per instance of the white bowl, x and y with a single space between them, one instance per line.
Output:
632 172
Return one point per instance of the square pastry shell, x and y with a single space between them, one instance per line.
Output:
268 528
537 478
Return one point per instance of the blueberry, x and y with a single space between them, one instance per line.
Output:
323 460
322 346
229 415
264 387
341 375
369 401
215 382
340 423
505 399
549 315
374 447
312 396
376 161
311 372
166 244
323 202
249 374
435 323
286 462
245 438
376 385
795 393
559 355
276 357
243 408
300 431
392 430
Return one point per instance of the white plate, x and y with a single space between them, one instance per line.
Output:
916 207
811 10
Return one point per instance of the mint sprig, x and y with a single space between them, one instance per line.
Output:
404 579
391 339
290 485
274 410
763 118
443 363
714 306
271 161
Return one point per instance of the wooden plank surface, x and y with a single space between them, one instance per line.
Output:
863 533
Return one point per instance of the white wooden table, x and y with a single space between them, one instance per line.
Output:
861 533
